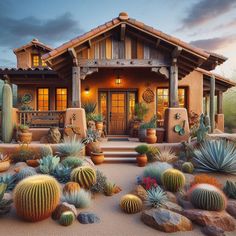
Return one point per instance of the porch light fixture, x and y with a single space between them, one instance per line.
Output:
117 77
86 90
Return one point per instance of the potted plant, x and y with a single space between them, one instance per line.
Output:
4 163
24 136
97 155
91 141
151 131
98 118
142 157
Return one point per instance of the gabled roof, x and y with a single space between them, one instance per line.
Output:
34 42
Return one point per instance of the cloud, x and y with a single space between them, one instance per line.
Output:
206 10
230 24
213 44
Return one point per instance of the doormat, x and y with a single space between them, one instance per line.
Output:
118 139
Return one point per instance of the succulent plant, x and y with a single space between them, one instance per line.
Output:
25 172
36 197
100 183
156 197
70 147
80 199
131 204
72 162
142 149
10 180
215 156
59 210
67 218
173 180
84 175
46 150
109 189
47 165
188 167
71 187
230 189
155 171
62 173
5 205
206 179
207 197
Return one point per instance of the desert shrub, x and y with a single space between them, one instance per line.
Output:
205 179
22 153
166 154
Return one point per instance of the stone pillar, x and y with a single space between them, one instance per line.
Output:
173 85
212 103
76 87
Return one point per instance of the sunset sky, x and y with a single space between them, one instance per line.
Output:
210 24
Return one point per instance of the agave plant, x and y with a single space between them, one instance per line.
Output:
5 205
100 184
70 147
72 162
80 199
156 197
10 180
215 156
47 165
62 173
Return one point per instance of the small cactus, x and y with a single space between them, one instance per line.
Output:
67 218
230 189
131 204
188 167
109 189
71 187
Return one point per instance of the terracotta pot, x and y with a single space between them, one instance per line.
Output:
142 135
151 136
25 137
32 163
4 166
24 130
99 126
142 160
97 158
92 146
151 132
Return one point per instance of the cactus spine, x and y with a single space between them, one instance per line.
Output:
36 197
67 218
7 125
131 204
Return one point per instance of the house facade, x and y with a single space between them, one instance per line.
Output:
117 65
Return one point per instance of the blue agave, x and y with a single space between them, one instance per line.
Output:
10 180
62 173
215 156
48 164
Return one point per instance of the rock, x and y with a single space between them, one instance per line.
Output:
213 231
71 207
185 203
171 196
54 135
140 192
166 220
211 218
172 207
231 208
88 218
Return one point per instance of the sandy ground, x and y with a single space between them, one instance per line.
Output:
113 221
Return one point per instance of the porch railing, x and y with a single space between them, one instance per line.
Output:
42 119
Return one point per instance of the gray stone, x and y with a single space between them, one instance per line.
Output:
213 231
88 218
171 196
231 208
166 220
172 207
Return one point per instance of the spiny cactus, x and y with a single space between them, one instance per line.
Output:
173 180
25 172
62 173
36 197
72 162
230 189
71 187
188 167
156 197
7 125
67 218
131 204
207 197
109 189
85 176
5 205
47 165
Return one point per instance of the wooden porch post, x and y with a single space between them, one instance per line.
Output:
206 105
173 85
220 102
76 87
212 102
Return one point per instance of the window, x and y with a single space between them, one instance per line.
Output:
35 60
44 63
61 99
43 99
163 100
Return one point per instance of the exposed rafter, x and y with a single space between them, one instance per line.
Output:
122 31
176 52
73 56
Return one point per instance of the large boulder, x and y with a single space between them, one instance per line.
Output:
231 208
171 197
88 218
166 220
211 218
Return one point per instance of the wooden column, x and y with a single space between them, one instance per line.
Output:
76 87
173 85
206 105
212 102
220 102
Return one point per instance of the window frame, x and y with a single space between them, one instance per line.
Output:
56 97
40 60
48 97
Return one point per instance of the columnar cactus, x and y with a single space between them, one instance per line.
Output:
67 218
207 197
36 197
7 125
85 176
131 204
71 187
188 167
173 180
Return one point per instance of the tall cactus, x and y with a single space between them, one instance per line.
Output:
7 125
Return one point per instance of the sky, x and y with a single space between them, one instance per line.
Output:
209 24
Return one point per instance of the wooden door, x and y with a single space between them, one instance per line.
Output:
117 116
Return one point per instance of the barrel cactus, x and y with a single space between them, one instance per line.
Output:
71 187
131 204
173 180
207 197
188 167
7 125
230 189
85 176
36 197
67 218
25 172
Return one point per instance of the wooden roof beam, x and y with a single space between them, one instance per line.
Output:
176 52
89 43
158 42
122 31
73 56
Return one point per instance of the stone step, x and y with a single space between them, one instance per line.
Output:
119 160
125 148
119 154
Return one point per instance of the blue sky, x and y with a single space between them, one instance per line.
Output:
210 24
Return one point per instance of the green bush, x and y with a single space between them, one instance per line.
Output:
142 149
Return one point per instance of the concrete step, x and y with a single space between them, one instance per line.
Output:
119 154
125 148
119 160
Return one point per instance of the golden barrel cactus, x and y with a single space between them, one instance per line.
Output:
71 187
85 176
131 204
36 197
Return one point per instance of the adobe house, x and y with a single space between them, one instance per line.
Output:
116 65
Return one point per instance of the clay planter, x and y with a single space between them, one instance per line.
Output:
32 163
25 137
24 130
92 146
4 166
142 135
142 160
151 136
97 158
99 126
